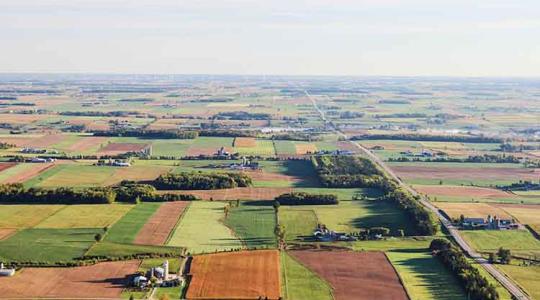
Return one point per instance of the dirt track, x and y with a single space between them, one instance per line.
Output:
355 275
162 222
103 280
236 275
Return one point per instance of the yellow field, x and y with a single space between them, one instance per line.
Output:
305 148
24 216
471 210
525 214
86 216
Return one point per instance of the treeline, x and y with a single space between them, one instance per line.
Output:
154 134
402 115
241 115
6 145
352 171
486 158
301 198
16 193
520 186
296 136
507 147
476 285
201 181
429 138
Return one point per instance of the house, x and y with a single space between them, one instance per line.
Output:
474 223
222 152
6 271
140 281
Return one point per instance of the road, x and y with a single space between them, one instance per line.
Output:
454 232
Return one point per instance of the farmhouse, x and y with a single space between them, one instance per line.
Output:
491 223
42 160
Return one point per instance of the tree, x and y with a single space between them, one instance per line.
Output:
105 229
276 206
98 237
400 233
164 297
279 231
505 256
491 258
439 245
131 297
226 210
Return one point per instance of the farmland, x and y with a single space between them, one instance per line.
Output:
365 275
469 146
236 275
202 230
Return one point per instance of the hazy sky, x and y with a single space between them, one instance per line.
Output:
331 37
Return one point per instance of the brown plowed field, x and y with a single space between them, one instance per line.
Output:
45 141
157 228
7 165
37 169
86 143
243 193
6 232
465 191
236 275
103 280
355 275
119 148
484 173
245 142
348 146
17 141
471 210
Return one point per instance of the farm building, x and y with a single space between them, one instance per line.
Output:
6 271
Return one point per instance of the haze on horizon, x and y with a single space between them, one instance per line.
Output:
312 37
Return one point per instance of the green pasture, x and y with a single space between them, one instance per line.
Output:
521 242
201 229
48 245
125 230
72 175
111 249
262 148
527 277
253 224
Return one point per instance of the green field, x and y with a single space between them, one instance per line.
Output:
285 147
201 229
352 215
47 245
299 223
299 283
15 170
424 276
109 249
23 216
173 147
86 216
125 230
521 242
74 175
262 148
254 225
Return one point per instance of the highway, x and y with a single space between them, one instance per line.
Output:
453 231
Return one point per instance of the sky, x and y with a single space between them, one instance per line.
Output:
273 37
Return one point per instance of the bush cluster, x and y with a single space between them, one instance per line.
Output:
301 198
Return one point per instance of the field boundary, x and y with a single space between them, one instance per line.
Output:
180 218
54 213
331 288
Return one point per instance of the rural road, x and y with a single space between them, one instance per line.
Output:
454 232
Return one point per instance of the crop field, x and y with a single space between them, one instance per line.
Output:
299 223
261 148
160 225
525 214
4 166
526 276
126 229
424 276
25 216
120 148
23 172
521 242
471 210
298 282
447 192
120 250
201 229
236 275
209 145
354 275
6 232
244 142
72 175
351 215
47 245
86 145
253 224
466 174
305 148
86 216
103 280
